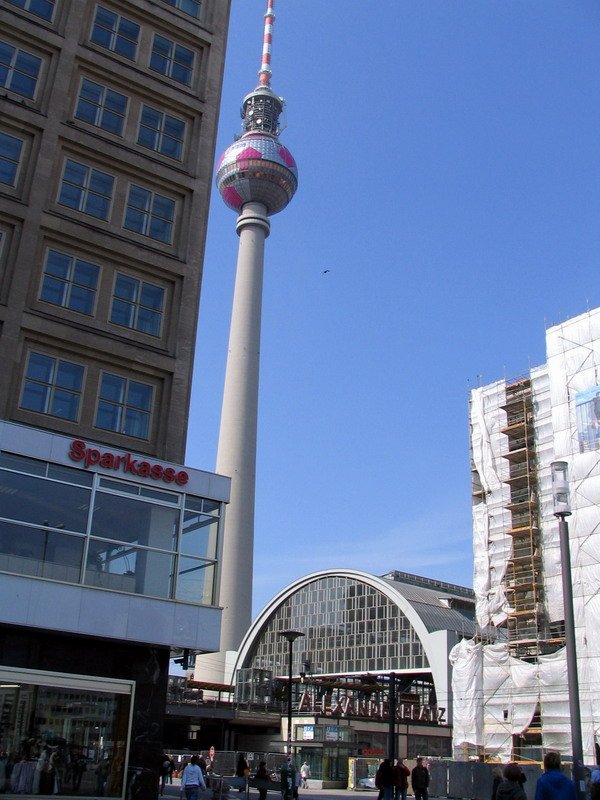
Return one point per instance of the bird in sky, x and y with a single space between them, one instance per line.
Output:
325 271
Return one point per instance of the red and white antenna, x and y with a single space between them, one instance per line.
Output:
265 65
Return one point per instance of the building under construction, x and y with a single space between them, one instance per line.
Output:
511 695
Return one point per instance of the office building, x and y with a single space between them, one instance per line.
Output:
511 697
109 545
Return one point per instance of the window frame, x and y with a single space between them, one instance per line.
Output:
137 305
171 59
26 6
18 163
114 33
52 386
124 405
148 214
86 189
69 282
101 108
160 132
178 4
12 69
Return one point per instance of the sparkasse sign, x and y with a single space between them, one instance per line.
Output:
128 464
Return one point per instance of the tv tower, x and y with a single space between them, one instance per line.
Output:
257 177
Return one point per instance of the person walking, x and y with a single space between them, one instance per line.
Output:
553 784
511 787
192 780
401 775
262 774
420 780
384 780
305 774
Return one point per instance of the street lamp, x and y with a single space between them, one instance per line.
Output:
562 510
291 636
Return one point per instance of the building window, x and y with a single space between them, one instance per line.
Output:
150 214
115 33
86 189
101 107
191 7
124 406
172 59
137 305
52 386
41 8
10 155
161 132
19 70
69 282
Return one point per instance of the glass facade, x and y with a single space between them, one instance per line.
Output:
75 526
63 734
349 626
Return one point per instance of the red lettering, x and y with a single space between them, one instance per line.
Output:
130 465
182 478
107 460
91 457
77 451
126 463
156 472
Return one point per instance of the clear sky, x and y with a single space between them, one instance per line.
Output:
449 180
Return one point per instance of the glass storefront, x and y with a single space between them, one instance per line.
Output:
63 734
67 524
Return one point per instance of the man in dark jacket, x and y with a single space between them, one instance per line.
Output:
553 784
420 780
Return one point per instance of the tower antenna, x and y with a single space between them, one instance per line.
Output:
265 64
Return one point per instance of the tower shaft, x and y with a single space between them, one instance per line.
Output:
236 454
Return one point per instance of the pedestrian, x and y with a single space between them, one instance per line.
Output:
496 781
163 770
511 787
553 784
192 780
262 774
305 774
420 780
401 775
242 769
384 780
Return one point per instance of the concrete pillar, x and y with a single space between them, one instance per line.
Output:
236 456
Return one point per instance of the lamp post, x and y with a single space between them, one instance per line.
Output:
291 636
562 510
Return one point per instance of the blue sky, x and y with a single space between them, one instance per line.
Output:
449 179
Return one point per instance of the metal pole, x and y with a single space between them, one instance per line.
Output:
571 646
392 725
289 731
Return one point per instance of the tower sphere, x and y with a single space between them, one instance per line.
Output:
257 169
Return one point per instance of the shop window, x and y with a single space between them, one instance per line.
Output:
124 406
41 8
86 189
191 7
137 305
81 745
102 107
10 156
172 60
161 132
115 33
52 386
150 214
69 282
19 70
